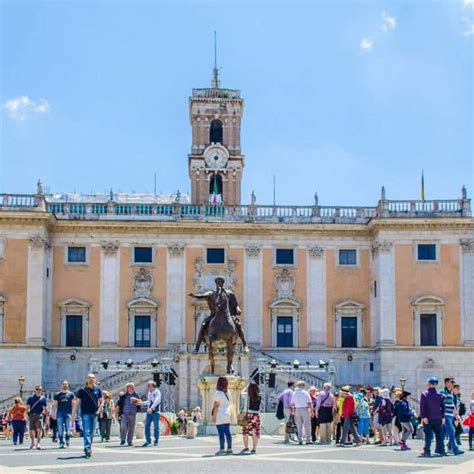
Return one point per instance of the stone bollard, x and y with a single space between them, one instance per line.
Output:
191 429
140 430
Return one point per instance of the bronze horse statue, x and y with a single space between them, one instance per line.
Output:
221 330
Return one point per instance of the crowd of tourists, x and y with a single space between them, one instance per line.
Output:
345 417
379 416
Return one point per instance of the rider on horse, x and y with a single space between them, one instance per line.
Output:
234 310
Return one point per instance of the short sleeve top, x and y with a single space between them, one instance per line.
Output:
223 412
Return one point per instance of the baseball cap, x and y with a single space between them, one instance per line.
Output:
433 381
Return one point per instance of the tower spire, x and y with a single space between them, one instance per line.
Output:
215 81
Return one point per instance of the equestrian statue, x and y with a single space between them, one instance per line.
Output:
222 326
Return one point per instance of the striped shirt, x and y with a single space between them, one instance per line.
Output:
449 402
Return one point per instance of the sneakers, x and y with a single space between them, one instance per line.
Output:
425 454
38 446
458 452
88 453
155 443
68 443
221 452
229 451
122 443
245 451
62 446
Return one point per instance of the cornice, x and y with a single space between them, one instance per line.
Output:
27 218
458 223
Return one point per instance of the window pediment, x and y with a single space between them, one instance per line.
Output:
428 300
349 307
74 303
285 302
142 302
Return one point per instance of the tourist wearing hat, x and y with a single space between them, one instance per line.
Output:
348 413
404 416
432 411
385 416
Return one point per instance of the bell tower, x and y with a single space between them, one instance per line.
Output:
215 162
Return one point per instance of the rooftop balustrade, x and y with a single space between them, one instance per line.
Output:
174 211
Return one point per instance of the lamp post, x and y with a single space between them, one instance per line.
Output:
403 381
21 382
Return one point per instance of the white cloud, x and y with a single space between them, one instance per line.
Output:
469 4
19 108
388 22
367 44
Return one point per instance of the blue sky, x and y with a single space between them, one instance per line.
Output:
340 97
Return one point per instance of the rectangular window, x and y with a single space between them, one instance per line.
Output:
215 256
428 330
284 257
142 331
76 255
74 331
426 252
375 289
143 255
347 257
284 331
348 332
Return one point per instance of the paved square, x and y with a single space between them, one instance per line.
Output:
197 456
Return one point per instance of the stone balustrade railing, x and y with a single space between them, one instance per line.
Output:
244 213
213 93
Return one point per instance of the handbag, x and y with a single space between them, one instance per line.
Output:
290 427
242 416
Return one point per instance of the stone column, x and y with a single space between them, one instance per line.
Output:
109 293
253 294
36 303
175 300
467 291
383 254
316 297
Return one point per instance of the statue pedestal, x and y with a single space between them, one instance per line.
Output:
207 387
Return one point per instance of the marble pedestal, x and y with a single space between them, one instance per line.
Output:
207 387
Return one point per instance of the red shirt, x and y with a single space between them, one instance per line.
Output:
469 421
18 412
348 407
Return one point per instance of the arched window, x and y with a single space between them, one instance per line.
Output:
215 185
215 132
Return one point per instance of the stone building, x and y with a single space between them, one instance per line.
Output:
384 292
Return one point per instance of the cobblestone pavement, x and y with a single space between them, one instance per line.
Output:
177 454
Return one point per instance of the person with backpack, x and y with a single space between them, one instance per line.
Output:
88 402
404 415
385 416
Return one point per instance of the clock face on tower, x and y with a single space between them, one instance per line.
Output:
216 156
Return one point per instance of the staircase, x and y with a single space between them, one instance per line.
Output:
310 378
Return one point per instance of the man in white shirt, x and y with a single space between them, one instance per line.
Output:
302 408
152 413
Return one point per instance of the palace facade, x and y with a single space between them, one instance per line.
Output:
384 292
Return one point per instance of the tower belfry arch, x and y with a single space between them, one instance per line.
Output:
216 162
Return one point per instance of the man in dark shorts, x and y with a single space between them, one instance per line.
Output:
36 404
89 401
